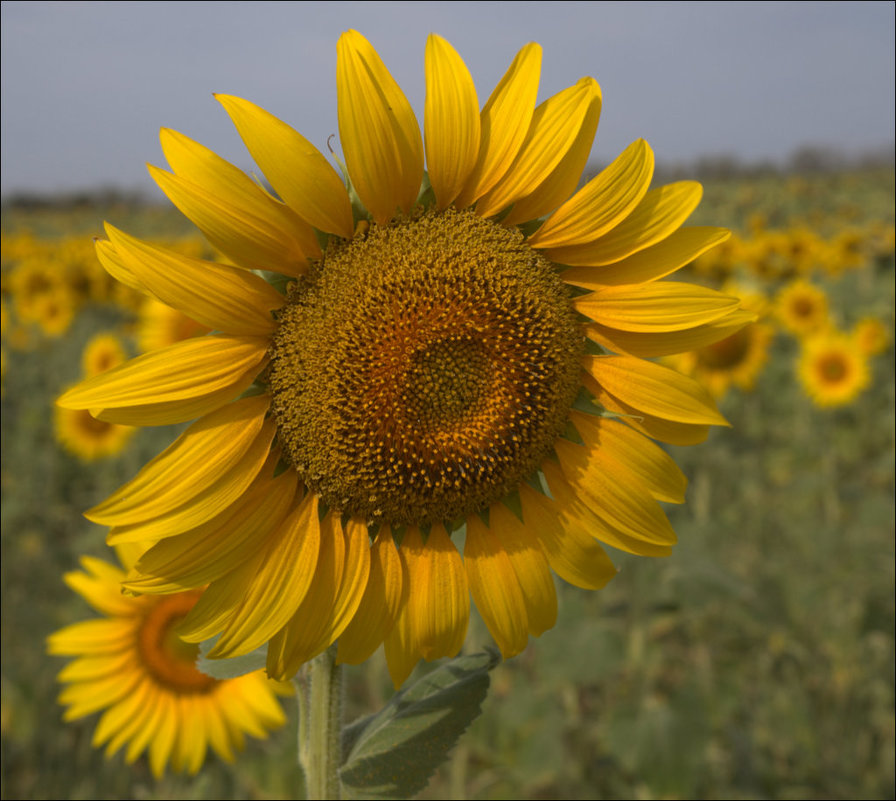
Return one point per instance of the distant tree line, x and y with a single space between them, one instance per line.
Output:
805 160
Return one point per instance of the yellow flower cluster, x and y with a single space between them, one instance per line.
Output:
780 276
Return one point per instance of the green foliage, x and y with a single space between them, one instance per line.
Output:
392 753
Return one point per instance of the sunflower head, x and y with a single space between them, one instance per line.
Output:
424 369
802 308
872 336
833 369
133 667
103 352
419 365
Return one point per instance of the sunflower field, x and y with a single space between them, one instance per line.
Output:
756 661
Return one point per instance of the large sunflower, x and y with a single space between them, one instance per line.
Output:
133 666
426 368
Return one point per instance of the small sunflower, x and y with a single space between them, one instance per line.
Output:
103 352
55 311
132 666
30 281
871 336
737 359
89 439
159 325
832 369
425 369
802 308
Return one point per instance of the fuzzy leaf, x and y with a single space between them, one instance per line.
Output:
392 753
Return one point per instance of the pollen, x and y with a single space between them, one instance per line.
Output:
422 370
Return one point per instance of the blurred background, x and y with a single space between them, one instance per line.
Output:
757 661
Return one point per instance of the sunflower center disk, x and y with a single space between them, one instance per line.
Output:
424 369
168 658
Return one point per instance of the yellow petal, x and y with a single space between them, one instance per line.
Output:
273 594
555 127
210 551
88 668
575 515
659 214
530 566
565 177
99 586
123 716
87 698
212 500
91 637
572 554
504 122
379 132
331 601
216 295
179 411
199 457
604 202
663 343
139 727
216 604
354 581
219 178
186 370
655 427
652 263
618 497
163 738
654 389
113 264
659 306
400 647
296 169
495 588
450 120
616 444
439 602
250 242
384 595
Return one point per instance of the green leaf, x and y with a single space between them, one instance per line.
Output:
393 753
229 668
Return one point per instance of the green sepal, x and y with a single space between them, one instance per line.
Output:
234 666
392 753
279 281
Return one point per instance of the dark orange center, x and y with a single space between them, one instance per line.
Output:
170 660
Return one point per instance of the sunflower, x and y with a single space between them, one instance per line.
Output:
159 325
89 439
428 368
833 369
132 665
55 311
101 353
738 359
872 337
802 308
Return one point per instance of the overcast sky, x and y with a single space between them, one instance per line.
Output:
87 85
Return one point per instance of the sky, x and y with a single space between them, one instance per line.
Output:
87 85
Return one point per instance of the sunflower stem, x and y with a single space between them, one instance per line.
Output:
320 739
301 684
